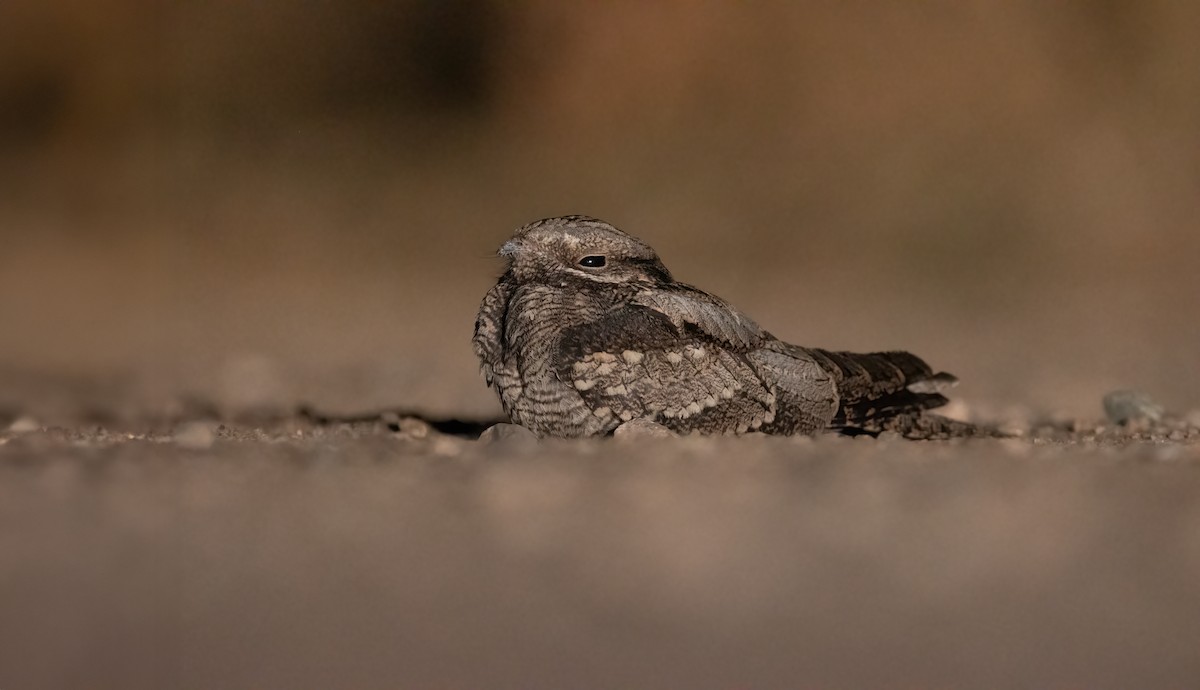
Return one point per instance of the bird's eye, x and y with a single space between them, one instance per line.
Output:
595 261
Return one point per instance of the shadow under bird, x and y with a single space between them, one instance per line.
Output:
587 330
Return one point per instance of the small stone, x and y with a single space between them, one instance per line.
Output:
195 436
1123 407
24 425
506 434
889 436
412 428
639 429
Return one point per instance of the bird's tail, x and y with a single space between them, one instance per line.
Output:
889 391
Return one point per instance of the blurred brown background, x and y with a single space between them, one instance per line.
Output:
261 204
231 207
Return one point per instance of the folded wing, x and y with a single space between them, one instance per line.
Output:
676 362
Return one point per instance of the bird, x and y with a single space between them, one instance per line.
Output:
586 330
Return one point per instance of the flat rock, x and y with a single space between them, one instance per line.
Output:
638 429
508 434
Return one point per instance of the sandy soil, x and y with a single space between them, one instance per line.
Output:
303 552
215 214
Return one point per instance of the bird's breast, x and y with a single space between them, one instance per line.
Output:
536 320
538 315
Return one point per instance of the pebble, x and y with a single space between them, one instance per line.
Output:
639 429
1123 407
507 434
24 425
412 427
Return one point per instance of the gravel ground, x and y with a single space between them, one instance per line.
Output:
212 214
305 552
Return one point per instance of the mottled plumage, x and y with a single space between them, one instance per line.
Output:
587 329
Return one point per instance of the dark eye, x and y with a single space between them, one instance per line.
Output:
595 261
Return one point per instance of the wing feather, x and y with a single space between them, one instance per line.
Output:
639 363
685 306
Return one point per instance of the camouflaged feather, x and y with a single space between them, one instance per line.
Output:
587 330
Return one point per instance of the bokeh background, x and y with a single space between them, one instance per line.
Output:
212 212
264 204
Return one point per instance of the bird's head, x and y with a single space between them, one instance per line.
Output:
556 250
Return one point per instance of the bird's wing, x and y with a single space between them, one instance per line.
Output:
805 396
689 372
688 308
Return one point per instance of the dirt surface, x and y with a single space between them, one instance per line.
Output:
308 552
232 233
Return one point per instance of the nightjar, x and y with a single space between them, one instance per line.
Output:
586 330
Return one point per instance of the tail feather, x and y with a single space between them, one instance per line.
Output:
878 386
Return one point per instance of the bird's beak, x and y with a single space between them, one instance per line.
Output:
510 248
